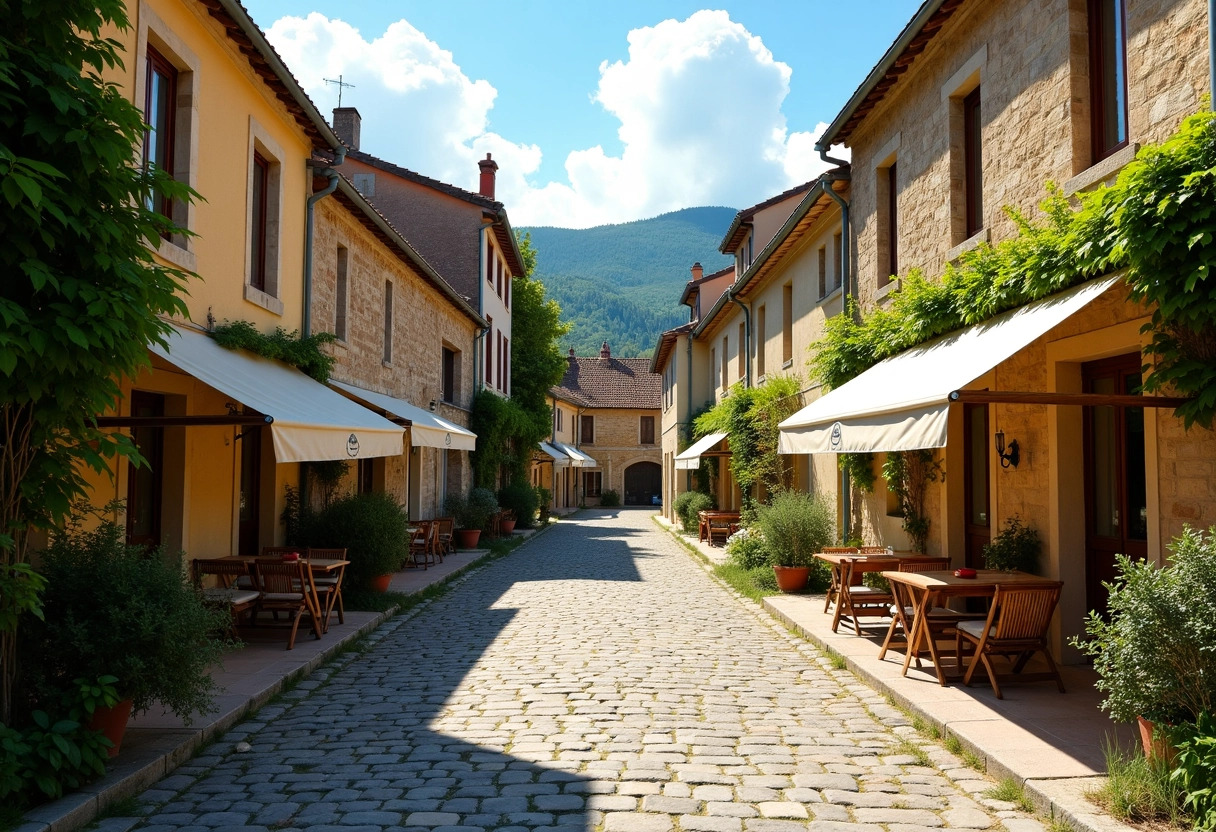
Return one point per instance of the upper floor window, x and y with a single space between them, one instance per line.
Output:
451 369
557 417
646 430
973 163
388 322
761 325
490 353
888 223
741 359
257 222
587 430
490 258
264 203
723 383
1107 77
342 293
160 111
505 372
713 365
787 323
823 271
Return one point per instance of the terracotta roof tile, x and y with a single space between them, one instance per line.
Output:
611 382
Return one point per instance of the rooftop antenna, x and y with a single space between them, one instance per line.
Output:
340 84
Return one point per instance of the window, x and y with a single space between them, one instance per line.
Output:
838 272
365 475
587 430
160 105
490 258
507 290
647 430
713 365
592 481
1107 77
505 375
341 294
787 322
490 353
557 414
760 339
725 363
450 380
823 271
973 163
257 222
498 277
388 322
888 177
741 361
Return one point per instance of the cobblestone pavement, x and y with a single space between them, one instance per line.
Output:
596 679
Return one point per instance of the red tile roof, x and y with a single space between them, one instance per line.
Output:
611 382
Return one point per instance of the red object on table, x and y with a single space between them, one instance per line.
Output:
964 573
291 556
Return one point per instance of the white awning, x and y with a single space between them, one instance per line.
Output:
578 459
901 403
311 422
559 458
426 429
690 458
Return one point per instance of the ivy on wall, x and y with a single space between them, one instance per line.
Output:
289 347
1157 223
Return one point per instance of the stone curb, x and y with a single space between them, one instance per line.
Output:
79 808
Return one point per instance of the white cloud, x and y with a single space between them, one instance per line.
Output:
698 101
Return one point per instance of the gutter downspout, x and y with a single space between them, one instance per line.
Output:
332 175
688 412
746 346
1212 51
848 290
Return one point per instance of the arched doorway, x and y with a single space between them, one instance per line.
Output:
643 483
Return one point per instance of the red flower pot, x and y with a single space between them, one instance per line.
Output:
508 526
1156 744
112 722
467 538
380 582
791 578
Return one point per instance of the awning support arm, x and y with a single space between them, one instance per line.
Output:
181 421
1082 399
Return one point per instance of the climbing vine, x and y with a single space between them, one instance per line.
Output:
908 474
860 468
1157 223
506 437
303 353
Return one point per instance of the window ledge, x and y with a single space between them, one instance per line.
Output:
259 298
1106 169
830 296
338 342
181 257
981 236
387 364
785 365
884 291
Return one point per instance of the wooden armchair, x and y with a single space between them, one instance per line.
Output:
1016 626
445 531
226 594
286 586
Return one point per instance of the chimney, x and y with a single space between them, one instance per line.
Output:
346 125
697 271
570 357
488 166
605 352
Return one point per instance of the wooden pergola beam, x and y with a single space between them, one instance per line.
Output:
1074 399
180 421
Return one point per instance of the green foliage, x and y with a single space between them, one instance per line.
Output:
860 468
473 511
305 354
749 417
520 498
48 757
113 610
537 362
371 527
92 694
610 498
688 504
506 437
1150 607
620 283
749 550
1157 222
544 503
1195 769
754 583
1139 789
1016 547
795 526
908 474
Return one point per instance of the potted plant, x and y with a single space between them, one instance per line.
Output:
520 499
472 515
795 527
1015 548
122 628
1149 607
371 527
544 502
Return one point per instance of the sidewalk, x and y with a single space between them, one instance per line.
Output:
1050 743
158 742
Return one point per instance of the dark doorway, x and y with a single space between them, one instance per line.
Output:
145 484
978 531
1116 491
643 482
248 531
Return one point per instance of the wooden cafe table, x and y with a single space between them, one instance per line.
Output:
869 562
929 589
317 566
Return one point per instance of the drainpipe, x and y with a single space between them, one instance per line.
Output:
847 291
332 175
1212 51
746 346
688 411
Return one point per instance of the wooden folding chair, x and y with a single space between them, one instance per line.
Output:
445 534
857 600
286 586
834 586
329 584
225 594
419 543
941 619
872 550
1016 626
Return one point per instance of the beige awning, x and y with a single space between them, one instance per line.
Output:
901 403
427 430
690 458
578 459
311 422
560 459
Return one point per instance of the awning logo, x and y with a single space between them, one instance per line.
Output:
352 445
447 439
837 438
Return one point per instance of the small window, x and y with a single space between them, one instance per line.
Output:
592 481
888 228
498 277
257 222
341 294
557 411
489 336
490 266
838 272
973 162
713 365
1107 77
505 375
388 322
647 430
760 339
741 360
450 364
587 430
725 363
160 105
365 474
787 322
507 297
823 271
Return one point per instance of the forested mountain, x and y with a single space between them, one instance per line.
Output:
622 283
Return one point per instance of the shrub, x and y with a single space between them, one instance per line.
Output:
544 503
521 499
610 498
796 526
371 527
1148 608
688 504
1139 789
480 507
1195 769
749 551
119 610
1016 547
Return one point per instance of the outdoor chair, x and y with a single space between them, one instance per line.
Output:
872 550
833 592
420 542
1016 626
444 534
857 600
329 585
942 620
225 594
285 586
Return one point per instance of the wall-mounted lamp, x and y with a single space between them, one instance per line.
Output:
434 405
1009 457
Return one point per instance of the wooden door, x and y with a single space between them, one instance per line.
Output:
976 502
249 539
145 484
1116 490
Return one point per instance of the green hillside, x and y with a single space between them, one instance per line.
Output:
622 283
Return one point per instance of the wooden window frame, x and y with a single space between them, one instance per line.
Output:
341 292
388 322
892 175
585 436
973 163
260 183
1099 107
642 423
787 322
158 64
448 357
489 380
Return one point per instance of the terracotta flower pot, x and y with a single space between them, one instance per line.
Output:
112 722
467 538
791 578
380 582
1157 745
508 526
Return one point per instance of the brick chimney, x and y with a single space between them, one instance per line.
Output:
697 271
346 125
488 166
605 353
570 357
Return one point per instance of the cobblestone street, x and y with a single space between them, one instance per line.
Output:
597 678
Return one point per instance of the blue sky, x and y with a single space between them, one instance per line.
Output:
596 112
